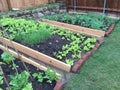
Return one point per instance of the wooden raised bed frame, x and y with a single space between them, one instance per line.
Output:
59 83
78 29
42 57
24 58
35 54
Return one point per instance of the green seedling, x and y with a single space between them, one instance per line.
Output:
14 66
28 87
1 63
7 57
39 77
69 62
51 75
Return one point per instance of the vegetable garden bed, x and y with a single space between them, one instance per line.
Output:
94 21
17 75
45 43
77 29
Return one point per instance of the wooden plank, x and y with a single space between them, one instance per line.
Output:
96 8
78 29
40 2
37 55
19 4
3 5
24 58
29 3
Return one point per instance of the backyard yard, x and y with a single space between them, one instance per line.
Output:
51 46
102 70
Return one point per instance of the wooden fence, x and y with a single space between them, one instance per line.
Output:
20 4
3 5
111 5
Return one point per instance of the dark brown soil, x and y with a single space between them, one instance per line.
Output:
52 44
7 69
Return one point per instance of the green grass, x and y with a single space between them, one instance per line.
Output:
102 70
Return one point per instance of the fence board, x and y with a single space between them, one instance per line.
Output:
39 2
3 5
111 5
16 4
29 3
20 4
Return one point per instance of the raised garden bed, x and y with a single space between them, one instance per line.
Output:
94 21
77 29
60 45
18 75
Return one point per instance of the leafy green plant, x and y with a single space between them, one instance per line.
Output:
86 48
73 47
89 44
90 20
50 75
27 31
1 89
7 57
28 87
78 43
33 37
39 77
20 81
69 62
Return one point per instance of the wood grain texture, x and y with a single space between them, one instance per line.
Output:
3 5
21 4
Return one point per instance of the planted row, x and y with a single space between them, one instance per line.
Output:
79 44
25 31
94 21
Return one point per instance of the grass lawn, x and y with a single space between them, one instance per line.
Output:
102 70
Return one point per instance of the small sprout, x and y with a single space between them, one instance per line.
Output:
1 63
28 87
51 75
86 48
39 77
59 57
14 66
54 53
69 62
